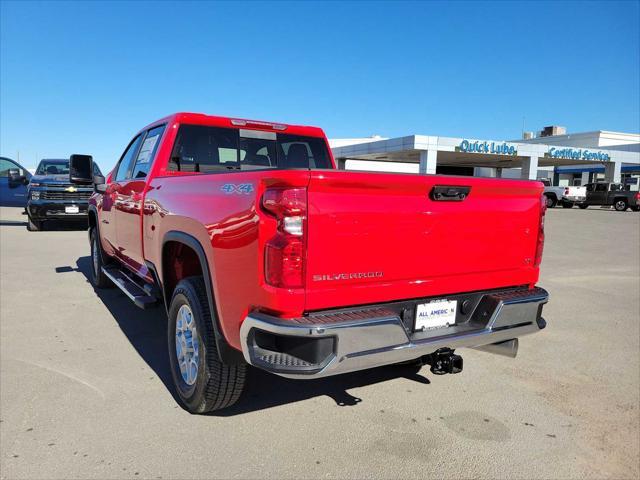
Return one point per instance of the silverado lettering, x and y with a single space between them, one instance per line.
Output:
347 276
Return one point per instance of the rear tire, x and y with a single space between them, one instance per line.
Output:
567 204
33 225
583 206
551 201
636 208
203 383
98 278
620 205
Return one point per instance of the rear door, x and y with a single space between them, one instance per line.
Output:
599 196
614 189
590 193
379 237
128 207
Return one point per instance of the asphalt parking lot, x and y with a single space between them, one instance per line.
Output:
85 388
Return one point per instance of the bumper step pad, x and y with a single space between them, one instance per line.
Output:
278 359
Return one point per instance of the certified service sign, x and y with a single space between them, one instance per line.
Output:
578 154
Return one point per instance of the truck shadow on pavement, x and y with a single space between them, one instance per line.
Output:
63 226
266 390
49 225
146 330
12 223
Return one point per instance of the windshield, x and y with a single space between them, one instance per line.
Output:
209 149
53 167
59 167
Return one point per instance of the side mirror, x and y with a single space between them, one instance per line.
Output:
81 169
99 184
13 174
16 177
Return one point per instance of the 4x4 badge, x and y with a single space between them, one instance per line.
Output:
239 188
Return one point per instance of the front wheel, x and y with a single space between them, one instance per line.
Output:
620 205
583 206
203 383
636 208
33 225
98 278
567 204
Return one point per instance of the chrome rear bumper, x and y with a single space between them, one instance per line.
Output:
329 343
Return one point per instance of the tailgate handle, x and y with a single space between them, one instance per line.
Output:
446 193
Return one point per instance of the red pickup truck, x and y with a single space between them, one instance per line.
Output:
264 254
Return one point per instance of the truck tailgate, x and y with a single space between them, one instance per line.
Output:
376 237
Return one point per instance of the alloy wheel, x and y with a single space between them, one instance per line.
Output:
187 345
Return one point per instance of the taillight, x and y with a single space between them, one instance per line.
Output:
540 240
566 191
638 196
284 253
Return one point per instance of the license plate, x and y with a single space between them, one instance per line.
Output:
437 314
72 209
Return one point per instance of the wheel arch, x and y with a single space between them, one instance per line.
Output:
227 354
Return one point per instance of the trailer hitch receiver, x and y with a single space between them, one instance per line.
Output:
444 361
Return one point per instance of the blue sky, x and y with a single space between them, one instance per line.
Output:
82 77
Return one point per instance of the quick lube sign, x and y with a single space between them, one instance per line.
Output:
578 154
492 148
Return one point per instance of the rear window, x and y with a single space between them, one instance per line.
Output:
214 149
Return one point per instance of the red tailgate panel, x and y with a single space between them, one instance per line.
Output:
379 237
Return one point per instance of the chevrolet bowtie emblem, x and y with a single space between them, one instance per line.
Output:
71 189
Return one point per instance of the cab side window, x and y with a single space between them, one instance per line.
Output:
601 187
147 153
6 165
199 148
127 158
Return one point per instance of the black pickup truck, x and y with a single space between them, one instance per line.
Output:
612 194
52 196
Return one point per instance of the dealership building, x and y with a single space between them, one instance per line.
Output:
566 159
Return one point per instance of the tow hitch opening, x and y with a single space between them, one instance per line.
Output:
443 361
